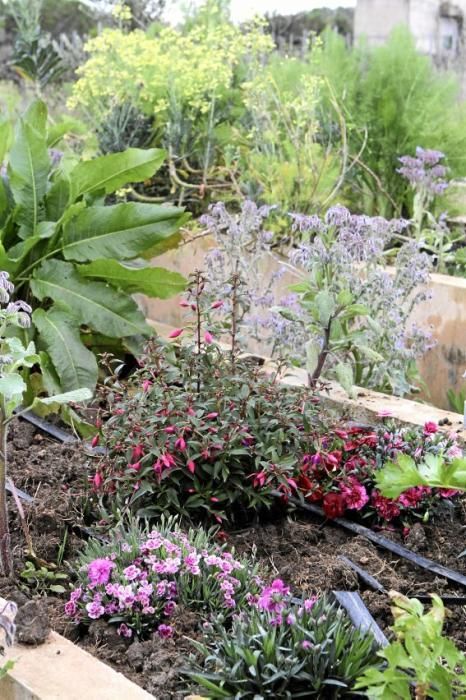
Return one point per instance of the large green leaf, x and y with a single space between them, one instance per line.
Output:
5 138
93 303
75 396
29 167
76 366
108 173
122 231
153 281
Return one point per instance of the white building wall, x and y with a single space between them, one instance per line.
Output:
375 20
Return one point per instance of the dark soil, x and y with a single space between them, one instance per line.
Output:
301 550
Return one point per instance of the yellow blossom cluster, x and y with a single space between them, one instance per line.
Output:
189 68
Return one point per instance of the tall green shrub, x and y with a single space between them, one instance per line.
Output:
393 100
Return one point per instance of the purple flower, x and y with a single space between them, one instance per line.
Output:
99 570
164 631
125 631
95 610
71 608
131 572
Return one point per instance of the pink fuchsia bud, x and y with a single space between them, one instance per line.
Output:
119 411
95 440
216 304
176 333
98 423
136 466
137 453
190 411
208 338
180 444
212 415
191 466
146 385
193 307
97 480
170 429
384 413
214 499
184 304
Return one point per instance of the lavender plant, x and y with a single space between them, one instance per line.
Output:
15 359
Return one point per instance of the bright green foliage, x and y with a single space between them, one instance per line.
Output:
74 257
393 100
419 656
396 477
284 159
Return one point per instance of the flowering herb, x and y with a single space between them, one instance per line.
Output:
427 176
347 317
138 579
353 321
281 649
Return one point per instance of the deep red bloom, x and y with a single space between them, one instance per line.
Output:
97 481
333 505
385 507
95 440
191 466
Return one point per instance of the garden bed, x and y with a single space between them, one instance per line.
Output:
302 550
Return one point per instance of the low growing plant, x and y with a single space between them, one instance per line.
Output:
138 579
283 648
420 658
345 472
77 261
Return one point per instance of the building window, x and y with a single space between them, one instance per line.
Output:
447 42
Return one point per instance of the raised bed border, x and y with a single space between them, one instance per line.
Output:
60 670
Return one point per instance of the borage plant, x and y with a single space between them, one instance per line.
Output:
138 579
353 320
15 360
199 430
278 648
